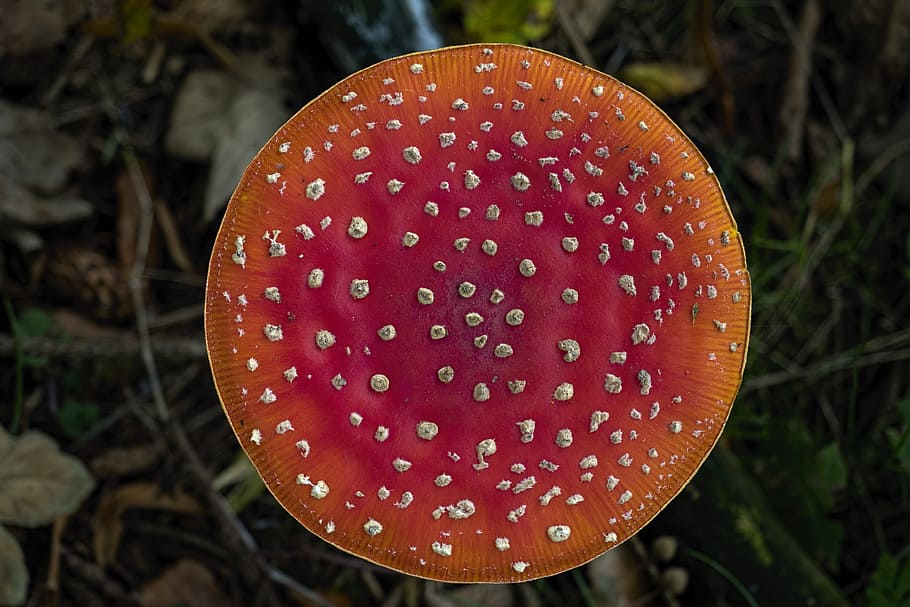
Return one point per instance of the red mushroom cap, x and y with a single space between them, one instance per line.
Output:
478 314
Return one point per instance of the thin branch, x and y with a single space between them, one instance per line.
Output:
177 348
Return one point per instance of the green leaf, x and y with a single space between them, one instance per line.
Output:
890 583
13 573
516 21
831 471
75 418
38 483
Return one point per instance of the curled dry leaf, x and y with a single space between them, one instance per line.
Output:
38 483
13 573
109 526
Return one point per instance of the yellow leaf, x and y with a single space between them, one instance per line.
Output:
665 81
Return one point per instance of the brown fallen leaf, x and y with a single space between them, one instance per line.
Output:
124 461
188 583
108 522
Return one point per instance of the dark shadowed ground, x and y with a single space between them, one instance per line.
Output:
124 126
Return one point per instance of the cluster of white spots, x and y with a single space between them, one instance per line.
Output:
568 349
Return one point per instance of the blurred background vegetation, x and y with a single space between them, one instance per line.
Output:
124 125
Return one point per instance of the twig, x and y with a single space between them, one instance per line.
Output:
840 362
143 237
567 24
177 348
795 103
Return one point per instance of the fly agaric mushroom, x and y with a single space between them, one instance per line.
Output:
477 314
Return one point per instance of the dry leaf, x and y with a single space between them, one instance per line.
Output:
109 526
665 81
32 152
13 573
187 583
38 483
123 461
